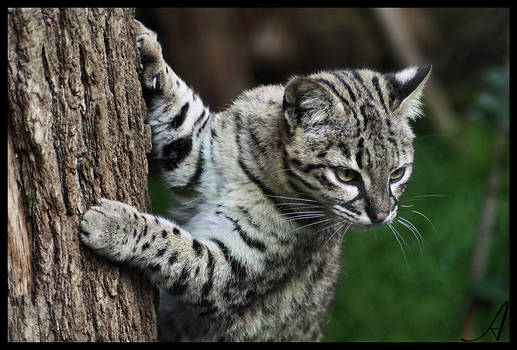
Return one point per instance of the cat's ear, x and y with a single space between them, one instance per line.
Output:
406 90
306 100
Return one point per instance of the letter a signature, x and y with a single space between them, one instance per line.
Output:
491 327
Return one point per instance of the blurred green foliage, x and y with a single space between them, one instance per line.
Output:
384 296
490 104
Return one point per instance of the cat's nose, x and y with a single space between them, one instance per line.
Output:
378 216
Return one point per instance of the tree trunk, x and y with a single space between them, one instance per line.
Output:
76 133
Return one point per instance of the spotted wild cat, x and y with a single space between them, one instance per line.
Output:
265 190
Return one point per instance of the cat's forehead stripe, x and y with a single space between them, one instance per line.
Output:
375 81
332 87
345 84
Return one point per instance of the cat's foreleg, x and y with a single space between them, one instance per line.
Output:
175 112
195 272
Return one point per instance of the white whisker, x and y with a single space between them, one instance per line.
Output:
419 213
310 205
339 228
303 217
412 200
396 235
314 223
332 225
344 233
416 230
431 195
400 236
424 196
301 212
415 234
294 198
405 205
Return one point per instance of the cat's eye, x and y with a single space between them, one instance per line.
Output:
397 174
345 174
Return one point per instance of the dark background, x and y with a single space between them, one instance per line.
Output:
453 284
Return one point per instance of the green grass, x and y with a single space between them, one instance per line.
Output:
384 297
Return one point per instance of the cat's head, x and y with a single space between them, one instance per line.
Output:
348 141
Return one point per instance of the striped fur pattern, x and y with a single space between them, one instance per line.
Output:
265 191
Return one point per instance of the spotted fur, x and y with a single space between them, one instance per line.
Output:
253 252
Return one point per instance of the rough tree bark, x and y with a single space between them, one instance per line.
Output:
76 133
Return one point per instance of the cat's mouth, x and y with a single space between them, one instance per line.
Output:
366 227
365 223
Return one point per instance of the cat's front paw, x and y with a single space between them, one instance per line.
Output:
105 227
154 73
146 40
